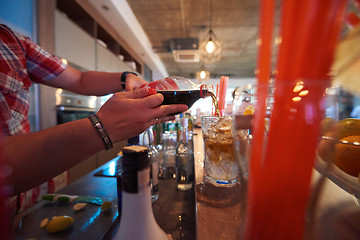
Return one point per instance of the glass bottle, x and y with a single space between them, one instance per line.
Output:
149 141
179 90
184 159
137 218
169 138
158 135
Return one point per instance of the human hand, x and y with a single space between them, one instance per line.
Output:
133 82
127 114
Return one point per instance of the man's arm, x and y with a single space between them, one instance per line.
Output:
93 82
37 157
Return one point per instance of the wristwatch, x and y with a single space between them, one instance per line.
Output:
123 78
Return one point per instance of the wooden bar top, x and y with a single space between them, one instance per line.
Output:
219 210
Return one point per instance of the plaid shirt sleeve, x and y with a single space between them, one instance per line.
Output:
41 65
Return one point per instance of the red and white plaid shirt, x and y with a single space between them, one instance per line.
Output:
22 62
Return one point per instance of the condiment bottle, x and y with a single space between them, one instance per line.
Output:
137 218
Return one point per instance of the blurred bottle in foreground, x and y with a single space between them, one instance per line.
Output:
137 218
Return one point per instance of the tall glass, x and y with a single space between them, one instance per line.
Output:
221 168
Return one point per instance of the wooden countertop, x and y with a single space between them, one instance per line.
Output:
175 211
218 211
222 222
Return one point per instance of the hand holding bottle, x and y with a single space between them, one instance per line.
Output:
127 114
179 90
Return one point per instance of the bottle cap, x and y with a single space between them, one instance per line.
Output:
204 90
135 157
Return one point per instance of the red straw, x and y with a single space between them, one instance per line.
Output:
222 93
279 187
264 66
217 98
352 19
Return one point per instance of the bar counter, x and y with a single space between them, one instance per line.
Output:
218 212
203 213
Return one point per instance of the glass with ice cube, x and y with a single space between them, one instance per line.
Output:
220 167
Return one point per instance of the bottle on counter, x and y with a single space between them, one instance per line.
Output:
169 146
190 122
180 90
184 159
158 135
149 141
137 218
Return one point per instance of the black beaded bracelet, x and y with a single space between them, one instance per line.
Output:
123 78
102 132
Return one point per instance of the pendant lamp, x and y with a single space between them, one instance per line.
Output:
210 47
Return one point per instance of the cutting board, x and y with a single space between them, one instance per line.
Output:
89 223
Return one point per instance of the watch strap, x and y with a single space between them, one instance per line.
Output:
123 78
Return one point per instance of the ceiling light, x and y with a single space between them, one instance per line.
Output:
203 75
210 48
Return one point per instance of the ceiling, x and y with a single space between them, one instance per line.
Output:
147 26
235 23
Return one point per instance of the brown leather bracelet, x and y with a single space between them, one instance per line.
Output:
102 132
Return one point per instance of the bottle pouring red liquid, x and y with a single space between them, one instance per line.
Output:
179 90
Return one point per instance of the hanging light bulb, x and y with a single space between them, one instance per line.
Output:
210 48
202 75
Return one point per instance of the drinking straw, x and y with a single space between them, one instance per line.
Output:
222 93
315 41
357 4
352 19
264 68
217 98
309 33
